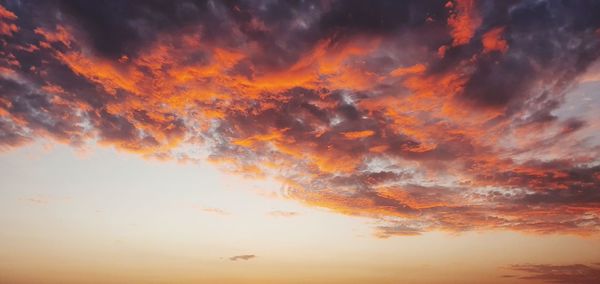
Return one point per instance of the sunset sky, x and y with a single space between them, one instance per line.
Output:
334 141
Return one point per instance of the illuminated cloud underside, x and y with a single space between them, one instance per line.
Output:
426 115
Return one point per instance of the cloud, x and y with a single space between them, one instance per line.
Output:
7 28
242 257
424 115
492 41
463 21
572 274
385 232
45 200
211 210
279 213
36 200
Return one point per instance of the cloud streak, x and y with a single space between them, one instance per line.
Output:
427 115
215 211
242 257
286 214
574 273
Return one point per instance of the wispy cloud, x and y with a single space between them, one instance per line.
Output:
279 213
567 274
45 200
212 210
385 232
36 200
242 257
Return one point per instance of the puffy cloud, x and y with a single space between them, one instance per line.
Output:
7 28
492 41
426 115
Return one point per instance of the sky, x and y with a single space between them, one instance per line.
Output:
299 141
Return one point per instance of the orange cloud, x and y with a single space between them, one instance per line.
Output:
492 41
358 134
463 21
6 14
60 35
365 115
415 69
6 28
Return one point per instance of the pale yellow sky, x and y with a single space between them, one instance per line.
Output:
108 217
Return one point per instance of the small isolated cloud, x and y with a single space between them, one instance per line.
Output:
212 210
44 200
36 200
571 274
384 232
279 213
242 257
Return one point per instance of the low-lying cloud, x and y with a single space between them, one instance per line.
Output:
242 257
571 274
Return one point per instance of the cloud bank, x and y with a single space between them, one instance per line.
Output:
427 115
